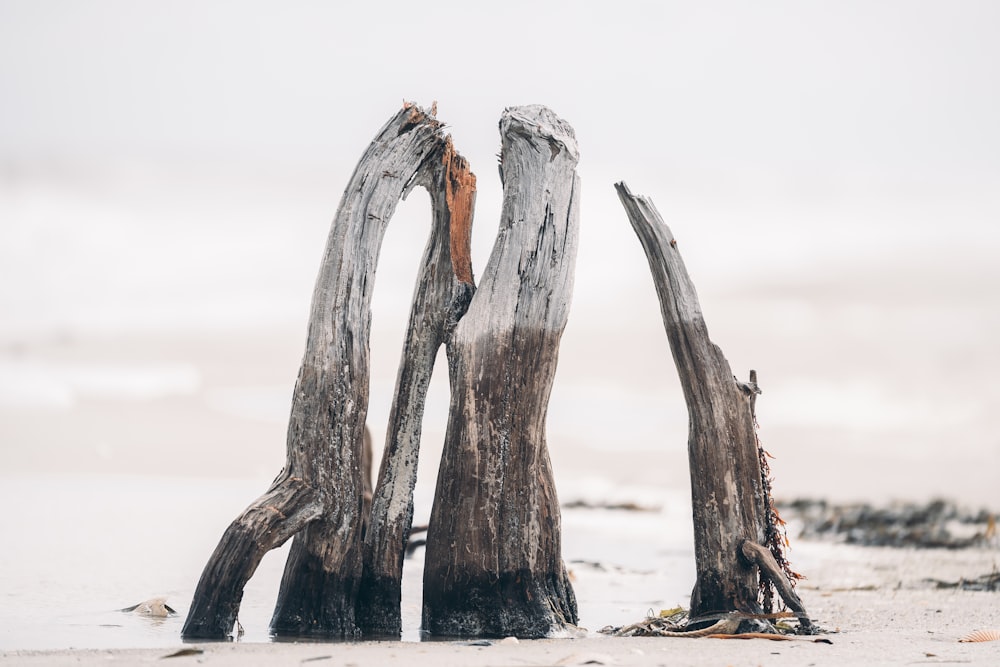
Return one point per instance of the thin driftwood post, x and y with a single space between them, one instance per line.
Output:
733 531
442 295
319 496
493 565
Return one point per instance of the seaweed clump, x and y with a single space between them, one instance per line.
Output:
939 524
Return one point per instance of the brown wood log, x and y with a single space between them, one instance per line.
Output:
772 572
368 491
729 495
443 292
493 564
289 505
319 495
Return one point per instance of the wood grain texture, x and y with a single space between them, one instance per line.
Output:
493 565
287 507
319 495
769 569
442 295
726 486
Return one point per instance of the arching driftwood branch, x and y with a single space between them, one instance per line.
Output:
318 497
493 565
442 295
729 493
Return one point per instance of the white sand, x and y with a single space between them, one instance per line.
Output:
94 415
873 602
877 629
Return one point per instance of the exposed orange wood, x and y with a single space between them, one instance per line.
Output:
460 195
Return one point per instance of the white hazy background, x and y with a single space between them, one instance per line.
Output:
169 170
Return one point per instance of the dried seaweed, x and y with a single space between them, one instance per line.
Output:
775 531
625 506
654 625
677 623
986 582
938 523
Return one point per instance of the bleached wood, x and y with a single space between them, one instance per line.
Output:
727 488
493 565
318 497
442 295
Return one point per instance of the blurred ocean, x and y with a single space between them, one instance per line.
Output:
169 171
94 544
152 318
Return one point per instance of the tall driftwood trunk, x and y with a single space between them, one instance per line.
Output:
318 497
493 565
442 295
728 490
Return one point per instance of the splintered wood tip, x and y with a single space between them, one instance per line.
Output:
460 197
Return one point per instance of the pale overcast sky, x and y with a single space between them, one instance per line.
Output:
883 86
831 170
760 130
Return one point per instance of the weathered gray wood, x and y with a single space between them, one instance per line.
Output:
367 490
493 565
319 495
728 491
772 572
283 510
442 294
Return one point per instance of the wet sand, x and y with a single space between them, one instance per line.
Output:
206 414
873 602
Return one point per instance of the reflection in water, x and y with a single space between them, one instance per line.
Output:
104 541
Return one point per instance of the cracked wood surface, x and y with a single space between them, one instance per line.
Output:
320 490
493 565
442 294
727 491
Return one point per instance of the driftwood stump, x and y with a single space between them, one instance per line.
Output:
319 495
734 539
493 564
443 292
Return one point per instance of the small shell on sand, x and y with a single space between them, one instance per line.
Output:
155 607
981 636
